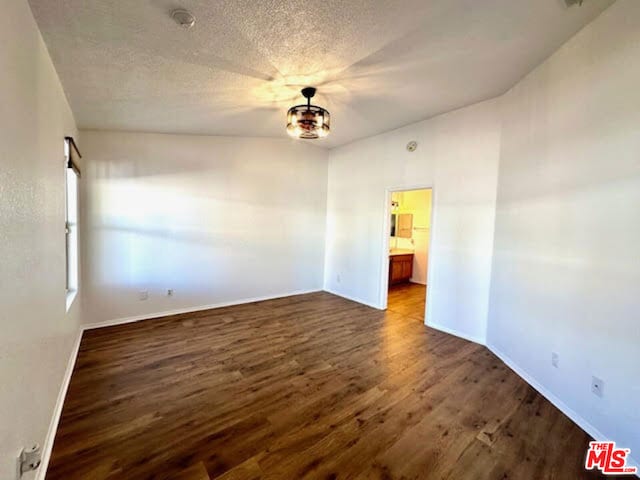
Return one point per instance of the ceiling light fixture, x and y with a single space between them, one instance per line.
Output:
308 121
183 18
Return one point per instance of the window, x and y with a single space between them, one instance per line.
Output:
71 226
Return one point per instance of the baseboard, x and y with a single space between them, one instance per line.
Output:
455 332
557 402
353 299
57 412
199 308
411 280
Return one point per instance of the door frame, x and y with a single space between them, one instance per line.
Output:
384 261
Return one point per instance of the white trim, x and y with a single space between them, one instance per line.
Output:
457 333
57 412
166 313
353 299
412 280
71 296
557 402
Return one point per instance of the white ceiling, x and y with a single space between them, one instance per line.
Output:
378 64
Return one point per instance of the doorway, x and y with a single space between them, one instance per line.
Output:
408 236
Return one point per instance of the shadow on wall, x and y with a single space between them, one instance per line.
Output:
217 220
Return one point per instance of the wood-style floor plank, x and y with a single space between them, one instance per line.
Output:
311 386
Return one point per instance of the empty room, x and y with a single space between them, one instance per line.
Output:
281 239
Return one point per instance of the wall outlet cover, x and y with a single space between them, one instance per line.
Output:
143 294
555 359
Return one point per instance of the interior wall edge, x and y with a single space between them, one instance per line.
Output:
57 412
564 261
352 298
456 333
199 308
576 418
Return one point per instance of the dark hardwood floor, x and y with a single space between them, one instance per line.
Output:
312 386
407 299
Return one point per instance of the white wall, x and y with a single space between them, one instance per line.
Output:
566 269
37 336
458 156
218 219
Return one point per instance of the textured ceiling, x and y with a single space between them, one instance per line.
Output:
378 64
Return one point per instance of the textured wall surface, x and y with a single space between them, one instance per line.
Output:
36 335
126 65
566 267
216 219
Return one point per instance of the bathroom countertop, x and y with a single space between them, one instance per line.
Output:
400 251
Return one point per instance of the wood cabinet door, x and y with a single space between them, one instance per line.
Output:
407 268
400 268
395 270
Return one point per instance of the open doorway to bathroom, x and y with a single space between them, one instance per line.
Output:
409 236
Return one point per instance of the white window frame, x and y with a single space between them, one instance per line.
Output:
71 229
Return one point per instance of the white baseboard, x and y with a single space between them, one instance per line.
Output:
455 332
57 412
419 282
353 299
557 402
199 308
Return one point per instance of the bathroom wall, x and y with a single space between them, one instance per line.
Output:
418 204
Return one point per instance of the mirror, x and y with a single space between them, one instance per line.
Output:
401 225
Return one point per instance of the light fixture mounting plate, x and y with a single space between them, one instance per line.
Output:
308 92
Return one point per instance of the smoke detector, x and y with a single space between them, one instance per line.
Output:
183 18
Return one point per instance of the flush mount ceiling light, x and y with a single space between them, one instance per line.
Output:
308 121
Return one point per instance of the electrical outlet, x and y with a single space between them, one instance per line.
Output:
143 294
555 359
597 386
29 459
338 278
170 292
